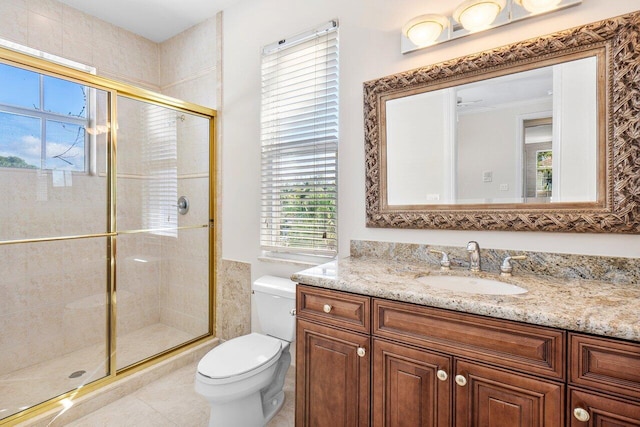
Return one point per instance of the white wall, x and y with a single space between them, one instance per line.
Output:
369 49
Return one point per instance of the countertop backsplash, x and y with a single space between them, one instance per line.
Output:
565 266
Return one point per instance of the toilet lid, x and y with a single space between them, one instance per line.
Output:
239 355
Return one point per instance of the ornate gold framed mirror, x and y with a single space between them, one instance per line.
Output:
540 135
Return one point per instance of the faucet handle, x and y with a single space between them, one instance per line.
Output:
506 268
473 246
445 264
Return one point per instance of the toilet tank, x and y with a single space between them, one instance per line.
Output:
274 301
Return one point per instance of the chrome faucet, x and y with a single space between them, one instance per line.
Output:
507 266
474 256
445 264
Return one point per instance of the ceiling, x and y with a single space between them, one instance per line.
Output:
156 20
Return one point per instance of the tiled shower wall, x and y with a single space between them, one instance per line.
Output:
48 284
188 72
56 28
53 295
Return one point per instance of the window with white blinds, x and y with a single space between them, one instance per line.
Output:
299 137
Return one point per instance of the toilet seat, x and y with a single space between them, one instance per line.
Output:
240 358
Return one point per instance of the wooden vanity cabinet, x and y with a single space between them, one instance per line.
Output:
333 359
411 387
492 397
604 382
410 365
437 356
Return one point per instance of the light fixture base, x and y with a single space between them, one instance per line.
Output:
513 11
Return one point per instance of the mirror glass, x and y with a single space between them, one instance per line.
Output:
528 137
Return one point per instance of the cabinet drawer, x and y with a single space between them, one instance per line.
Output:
605 364
533 349
601 410
335 308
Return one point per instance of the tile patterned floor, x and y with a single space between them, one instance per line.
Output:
34 384
172 401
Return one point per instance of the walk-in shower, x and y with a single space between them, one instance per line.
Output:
106 231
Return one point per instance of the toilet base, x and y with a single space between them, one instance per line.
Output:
273 396
255 409
244 412
271 408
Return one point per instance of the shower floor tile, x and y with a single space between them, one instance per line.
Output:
172 401
34 384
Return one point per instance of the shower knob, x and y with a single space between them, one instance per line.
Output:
183 205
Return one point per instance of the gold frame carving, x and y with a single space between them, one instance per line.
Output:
617 208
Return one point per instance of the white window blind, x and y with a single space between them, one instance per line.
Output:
160 163
299 137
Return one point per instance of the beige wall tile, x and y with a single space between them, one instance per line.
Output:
14 21
49 8
234 299
44 33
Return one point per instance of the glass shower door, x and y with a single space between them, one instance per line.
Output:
54 305
162 256
103 265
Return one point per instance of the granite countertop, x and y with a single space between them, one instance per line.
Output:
589 306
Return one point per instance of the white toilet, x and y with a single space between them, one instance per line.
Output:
242 378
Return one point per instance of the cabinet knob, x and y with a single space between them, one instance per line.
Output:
461 380
361 351
442 375
581 414
327 308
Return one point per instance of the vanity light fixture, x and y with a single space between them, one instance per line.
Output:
473 16
477 15
538 6
424 30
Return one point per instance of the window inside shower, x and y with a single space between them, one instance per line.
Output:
43 121
105 237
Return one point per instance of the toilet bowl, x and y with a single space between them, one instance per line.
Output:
242 379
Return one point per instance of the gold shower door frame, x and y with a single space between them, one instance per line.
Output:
115 89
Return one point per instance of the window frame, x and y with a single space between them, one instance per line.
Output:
316 150
86 122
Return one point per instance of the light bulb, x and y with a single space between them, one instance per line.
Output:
476 15
538 6
425 29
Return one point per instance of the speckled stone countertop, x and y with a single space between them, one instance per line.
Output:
595 307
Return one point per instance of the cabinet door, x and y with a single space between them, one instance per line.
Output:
332 377
490 397
411 387
593 409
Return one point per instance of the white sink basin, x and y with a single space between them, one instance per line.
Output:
471 285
